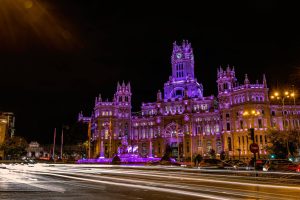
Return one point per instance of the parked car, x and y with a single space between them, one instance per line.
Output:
279 165
295 167
210 163
236 164
258 164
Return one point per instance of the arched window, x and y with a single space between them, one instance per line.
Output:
217 128
207 129
273 113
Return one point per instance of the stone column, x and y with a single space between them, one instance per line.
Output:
150 148
101 149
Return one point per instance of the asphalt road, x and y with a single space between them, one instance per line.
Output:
50 181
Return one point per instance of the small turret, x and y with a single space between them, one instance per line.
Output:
246 81
159 96
80 115
123 93
226 79
128 87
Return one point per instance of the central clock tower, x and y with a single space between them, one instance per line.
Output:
182 61
182 83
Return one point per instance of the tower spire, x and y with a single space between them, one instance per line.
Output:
246 81
264 81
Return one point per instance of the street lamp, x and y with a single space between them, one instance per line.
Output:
251 113
285 95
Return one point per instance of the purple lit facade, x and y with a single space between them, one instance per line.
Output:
186 120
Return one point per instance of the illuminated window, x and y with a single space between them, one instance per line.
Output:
217 128
204 106
106 134
207 129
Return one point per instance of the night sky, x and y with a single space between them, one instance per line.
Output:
56 56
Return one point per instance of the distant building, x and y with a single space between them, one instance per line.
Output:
7 127
34 150
186 120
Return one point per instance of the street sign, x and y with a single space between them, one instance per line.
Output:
254 148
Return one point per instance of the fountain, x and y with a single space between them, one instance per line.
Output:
127 154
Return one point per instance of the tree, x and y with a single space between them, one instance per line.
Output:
212 153
284 143
222 155
14 147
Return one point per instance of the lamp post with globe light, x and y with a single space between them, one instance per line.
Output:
282 96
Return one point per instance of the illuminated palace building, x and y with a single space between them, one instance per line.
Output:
186 120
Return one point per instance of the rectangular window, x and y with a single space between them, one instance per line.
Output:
187 147
266 140
158 147
241 124
228 126
260 139
259 123
256 139
229 144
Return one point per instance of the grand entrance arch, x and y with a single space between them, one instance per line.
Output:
174 138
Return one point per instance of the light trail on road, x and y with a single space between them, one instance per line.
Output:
183 182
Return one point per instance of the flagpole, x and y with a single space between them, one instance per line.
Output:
53 151
62 142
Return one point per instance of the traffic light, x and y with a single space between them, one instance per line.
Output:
251 131
273 156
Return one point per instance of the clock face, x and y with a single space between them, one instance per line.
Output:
178 55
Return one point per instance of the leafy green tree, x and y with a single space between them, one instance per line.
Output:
212 153
222 155
14 147
284 143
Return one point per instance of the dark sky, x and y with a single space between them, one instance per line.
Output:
56 56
